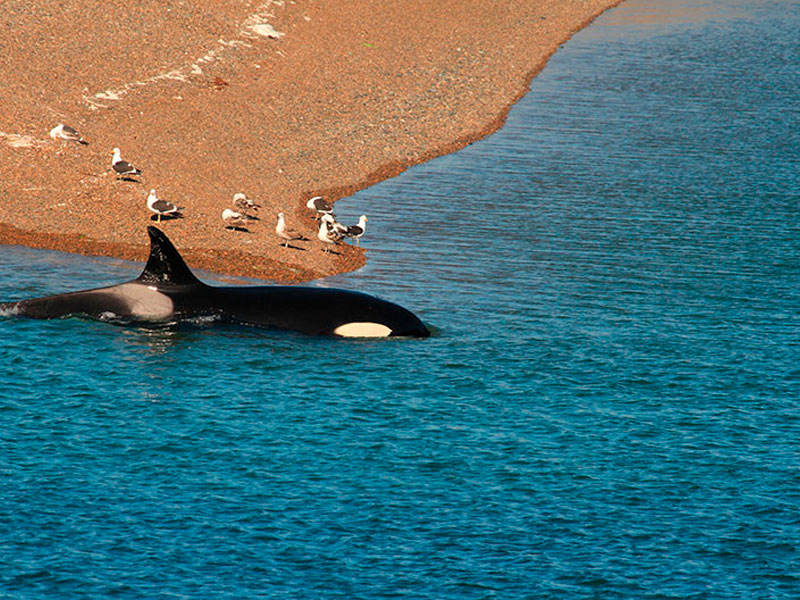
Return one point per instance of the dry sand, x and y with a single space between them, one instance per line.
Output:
280 100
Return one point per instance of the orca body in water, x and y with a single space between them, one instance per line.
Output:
167 291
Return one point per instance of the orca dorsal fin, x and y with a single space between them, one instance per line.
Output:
165 264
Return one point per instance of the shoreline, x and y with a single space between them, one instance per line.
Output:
378 106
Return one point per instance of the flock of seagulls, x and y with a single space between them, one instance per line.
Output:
237 220
330 231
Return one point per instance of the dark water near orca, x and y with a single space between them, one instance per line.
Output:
610 408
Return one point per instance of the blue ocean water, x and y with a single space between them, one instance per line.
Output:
609 407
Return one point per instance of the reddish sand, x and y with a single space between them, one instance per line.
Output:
350 93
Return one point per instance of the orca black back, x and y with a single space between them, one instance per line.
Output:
168 291
165 265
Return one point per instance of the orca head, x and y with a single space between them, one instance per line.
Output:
165 265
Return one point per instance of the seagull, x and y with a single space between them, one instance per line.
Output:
162 207
122 167
65 132
288 235
242 202
235 220
319 204
356 231
334 225
326 234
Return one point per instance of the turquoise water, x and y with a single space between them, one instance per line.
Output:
609 408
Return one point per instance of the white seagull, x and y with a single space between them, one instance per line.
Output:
161 207
65 132
337 228
242 202
326 234
122 167
319 204
287 235
356 231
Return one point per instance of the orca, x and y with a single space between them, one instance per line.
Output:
168 292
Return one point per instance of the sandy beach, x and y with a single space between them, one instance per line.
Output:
280 100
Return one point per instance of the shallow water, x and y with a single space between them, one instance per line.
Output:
609 407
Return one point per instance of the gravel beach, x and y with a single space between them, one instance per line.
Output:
280 100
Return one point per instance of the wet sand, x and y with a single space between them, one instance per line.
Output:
279 100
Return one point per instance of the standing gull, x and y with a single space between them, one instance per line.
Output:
162 207
67 133
356 231
334 225
122 167
327 234
287 235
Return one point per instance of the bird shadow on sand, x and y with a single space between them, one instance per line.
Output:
166 217
131 179
238 228
293 247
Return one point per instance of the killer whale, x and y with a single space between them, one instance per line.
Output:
167 291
